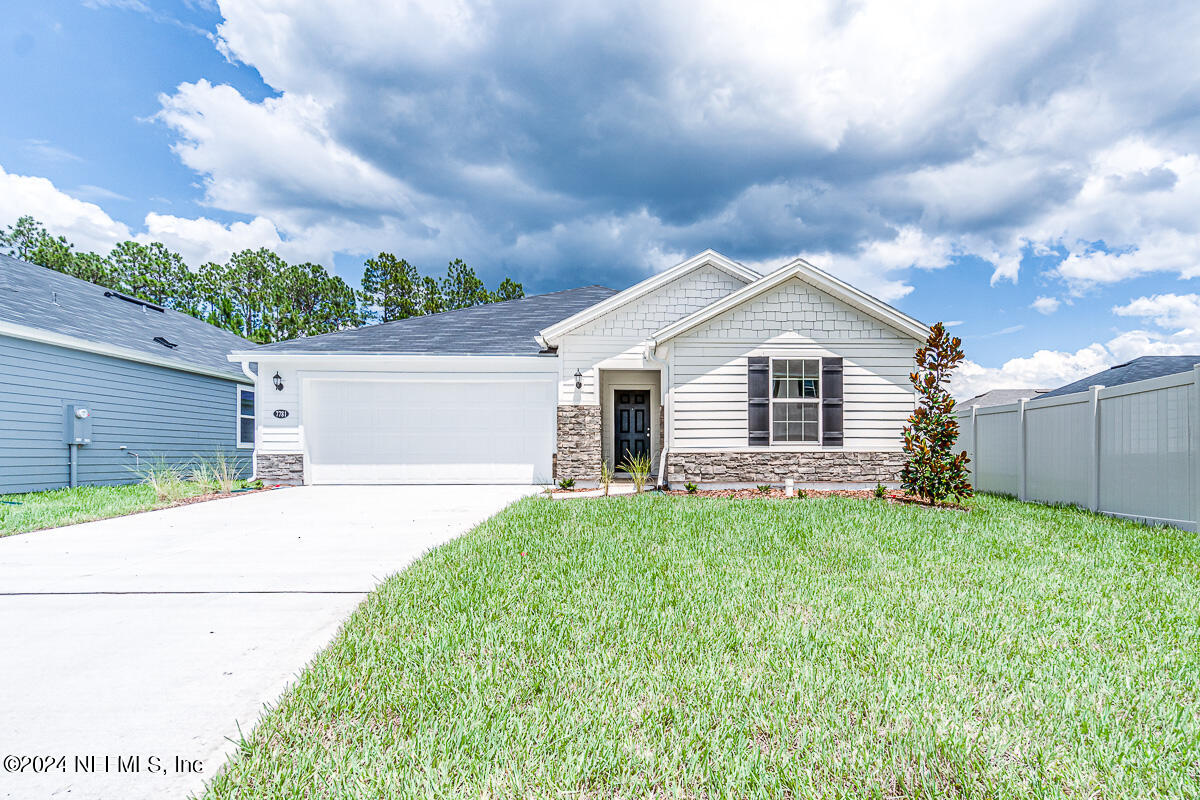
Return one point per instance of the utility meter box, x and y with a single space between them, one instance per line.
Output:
77 424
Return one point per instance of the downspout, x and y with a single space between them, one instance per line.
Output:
253 453
664 392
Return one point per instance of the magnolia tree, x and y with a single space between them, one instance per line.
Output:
933 472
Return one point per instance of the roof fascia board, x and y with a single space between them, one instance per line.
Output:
708 257
124 353
419 360
808 273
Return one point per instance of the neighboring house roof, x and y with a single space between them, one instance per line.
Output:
45 305
809 274
998 397
708 258
1139 369
508 328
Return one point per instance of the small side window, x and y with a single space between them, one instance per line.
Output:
245 418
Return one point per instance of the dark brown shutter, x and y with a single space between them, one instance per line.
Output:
758 392
831 402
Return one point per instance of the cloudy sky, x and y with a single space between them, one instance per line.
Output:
1027 171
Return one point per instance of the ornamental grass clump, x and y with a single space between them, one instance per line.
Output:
638 468
606 477
166 479
932 471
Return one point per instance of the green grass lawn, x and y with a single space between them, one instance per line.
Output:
687 647
57 507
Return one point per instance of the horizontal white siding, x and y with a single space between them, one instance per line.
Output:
278 435
590 354
708 390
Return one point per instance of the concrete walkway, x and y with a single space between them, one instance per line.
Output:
160 635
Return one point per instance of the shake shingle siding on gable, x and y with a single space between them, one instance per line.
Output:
617 336
794 307
677 299
153 411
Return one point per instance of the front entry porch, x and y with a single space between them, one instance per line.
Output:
627 419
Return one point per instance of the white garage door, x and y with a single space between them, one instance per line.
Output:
422 428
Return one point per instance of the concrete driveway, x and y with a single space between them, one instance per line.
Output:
154 638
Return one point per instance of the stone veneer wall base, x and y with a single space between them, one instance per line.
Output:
287 468
815 466
578 453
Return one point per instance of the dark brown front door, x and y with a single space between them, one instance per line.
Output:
632 424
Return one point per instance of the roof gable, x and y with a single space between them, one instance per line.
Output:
641 317
39 302
799 270
709 259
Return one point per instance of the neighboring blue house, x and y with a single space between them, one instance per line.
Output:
155 384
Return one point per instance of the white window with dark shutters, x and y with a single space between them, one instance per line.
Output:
794 401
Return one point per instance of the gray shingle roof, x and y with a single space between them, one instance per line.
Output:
41 298
998 397
1137 370
497 329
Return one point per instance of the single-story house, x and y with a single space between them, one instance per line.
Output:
109 383
719 374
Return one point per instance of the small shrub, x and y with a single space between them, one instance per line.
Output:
801 494
606 476
638 468
566 483
691 488
880 491
764 488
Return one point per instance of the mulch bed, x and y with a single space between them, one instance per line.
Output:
861 494
775 492
200 498
752 493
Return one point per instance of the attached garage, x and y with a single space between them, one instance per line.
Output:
430 428
462 397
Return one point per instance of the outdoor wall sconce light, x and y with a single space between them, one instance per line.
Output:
278 381
578 379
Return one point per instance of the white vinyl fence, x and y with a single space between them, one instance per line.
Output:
1130 451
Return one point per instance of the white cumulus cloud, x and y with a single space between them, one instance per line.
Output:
85 224
1046 305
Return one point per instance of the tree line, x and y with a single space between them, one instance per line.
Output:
256 294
